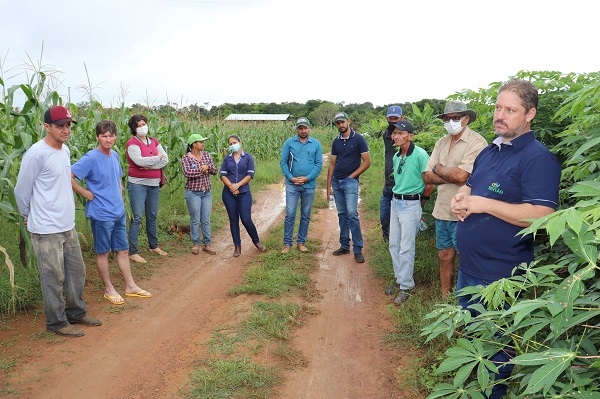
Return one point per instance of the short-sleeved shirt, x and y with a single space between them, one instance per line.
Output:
102 174
517 172
462 155
348 154
302 159
410 180
43 191
236 171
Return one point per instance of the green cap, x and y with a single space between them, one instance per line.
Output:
341 116
196 137
303 122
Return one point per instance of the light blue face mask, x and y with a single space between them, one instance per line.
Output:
234 147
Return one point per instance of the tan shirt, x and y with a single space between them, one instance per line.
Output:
462 156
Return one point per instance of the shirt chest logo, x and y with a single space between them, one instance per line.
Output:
495 187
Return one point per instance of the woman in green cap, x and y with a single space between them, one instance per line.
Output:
197 167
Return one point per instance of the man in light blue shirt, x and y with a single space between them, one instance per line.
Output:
301 163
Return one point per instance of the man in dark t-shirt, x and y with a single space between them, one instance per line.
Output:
349 159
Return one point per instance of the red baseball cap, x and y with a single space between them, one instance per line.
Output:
58 115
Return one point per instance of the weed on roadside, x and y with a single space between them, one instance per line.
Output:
231 378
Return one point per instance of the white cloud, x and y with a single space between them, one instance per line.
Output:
381 51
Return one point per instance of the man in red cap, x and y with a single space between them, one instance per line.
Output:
45 200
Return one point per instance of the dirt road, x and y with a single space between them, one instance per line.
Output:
147 348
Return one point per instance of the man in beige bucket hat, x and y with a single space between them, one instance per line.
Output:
449 166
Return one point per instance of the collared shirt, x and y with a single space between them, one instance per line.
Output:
462 155
410 178
236 171
520 171
348 153
196 179
302 159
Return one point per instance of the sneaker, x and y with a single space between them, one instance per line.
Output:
286 250
302 248
340 251
403 295
69 331
261 247
391 290
359 258
87 321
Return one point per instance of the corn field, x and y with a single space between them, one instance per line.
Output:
22 127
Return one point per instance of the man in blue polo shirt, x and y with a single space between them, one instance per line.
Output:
409 195
301 163
513 179
349 159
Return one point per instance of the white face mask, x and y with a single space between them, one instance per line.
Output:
142 130
234 147
452 127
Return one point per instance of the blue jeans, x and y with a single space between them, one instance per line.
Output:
143 199
345 192
240 207
385 203
62 276
405 218
499 358
306 196
199 205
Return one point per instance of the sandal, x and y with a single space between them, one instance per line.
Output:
159 251
137 258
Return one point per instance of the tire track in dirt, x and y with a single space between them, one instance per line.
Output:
343 343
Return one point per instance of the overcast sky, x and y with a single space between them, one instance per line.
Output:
382 51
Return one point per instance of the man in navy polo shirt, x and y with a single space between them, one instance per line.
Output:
349 159
513 179
409 195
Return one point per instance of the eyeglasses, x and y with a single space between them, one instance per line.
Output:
455 118
400 165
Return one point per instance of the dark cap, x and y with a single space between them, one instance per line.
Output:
58 115
402 125
341 116
303 122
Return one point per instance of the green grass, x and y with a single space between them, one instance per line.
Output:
232 378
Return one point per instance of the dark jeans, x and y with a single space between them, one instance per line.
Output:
240 207
500 358
385 203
